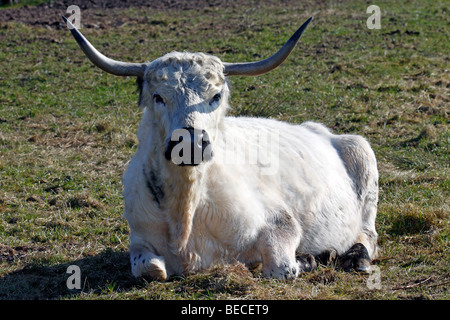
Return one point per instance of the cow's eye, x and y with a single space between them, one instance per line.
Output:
215 99
158 99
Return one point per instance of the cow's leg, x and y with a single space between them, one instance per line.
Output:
277 244
145 263
365 249
361 166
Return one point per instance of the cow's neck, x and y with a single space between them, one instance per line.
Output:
177 191
185 192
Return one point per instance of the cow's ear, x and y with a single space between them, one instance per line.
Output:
140 86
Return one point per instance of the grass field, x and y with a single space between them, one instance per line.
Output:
67 131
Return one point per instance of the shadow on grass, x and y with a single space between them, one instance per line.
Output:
107 270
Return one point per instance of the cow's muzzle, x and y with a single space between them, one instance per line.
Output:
188 147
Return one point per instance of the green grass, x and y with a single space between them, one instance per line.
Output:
67 131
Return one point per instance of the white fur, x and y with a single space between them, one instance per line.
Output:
322 193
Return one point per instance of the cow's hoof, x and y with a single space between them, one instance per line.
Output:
283 272
356 258
306 263
327 258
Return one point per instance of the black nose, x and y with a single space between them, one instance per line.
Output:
188 147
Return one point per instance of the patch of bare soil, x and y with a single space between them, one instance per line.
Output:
49 14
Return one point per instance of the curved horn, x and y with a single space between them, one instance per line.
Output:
266 65
115 67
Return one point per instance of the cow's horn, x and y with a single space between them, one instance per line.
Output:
115 67
266 65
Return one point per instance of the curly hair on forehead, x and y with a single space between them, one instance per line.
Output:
195 68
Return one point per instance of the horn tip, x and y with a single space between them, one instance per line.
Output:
308 21
68 24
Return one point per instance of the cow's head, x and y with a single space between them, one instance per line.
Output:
186 93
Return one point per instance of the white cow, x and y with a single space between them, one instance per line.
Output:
205 188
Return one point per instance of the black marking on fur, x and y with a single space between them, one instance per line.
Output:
155 186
